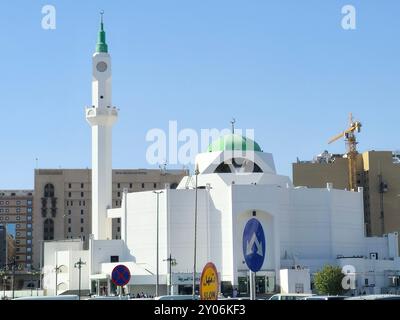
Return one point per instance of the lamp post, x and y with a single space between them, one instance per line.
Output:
79 266
57 270
172 262
14 263
195 234
157 257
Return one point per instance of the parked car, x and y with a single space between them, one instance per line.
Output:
325 298
177 297
60 297
290 296
375 297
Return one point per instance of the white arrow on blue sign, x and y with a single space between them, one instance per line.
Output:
254 245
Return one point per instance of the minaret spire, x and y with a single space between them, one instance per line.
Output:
101 41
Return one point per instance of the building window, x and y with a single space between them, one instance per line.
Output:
29 225
82 194
29 210
119 229
28 249
80 203
81 212
69 220
81 229
72 203
130 185
69 194
119 220
69 229
69 185
67 203
142 185
18 202
29 218
28 258
81 220
155 185
118 185
116 202
18 210
114 259
17 218
84 203
118 194
29 202
29 241
48 230
29 233
82 185
49 191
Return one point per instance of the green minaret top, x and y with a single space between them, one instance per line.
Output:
101 41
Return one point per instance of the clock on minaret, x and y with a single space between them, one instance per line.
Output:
101 66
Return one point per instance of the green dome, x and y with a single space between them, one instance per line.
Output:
234 142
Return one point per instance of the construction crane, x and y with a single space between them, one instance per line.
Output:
351 147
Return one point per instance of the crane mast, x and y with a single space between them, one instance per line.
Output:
351 147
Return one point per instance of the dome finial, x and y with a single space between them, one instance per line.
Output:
101 19
233 121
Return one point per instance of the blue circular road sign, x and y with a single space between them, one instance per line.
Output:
254 245
120 275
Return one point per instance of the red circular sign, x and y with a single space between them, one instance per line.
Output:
120 275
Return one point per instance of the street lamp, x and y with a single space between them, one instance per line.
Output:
157 258
56 269
172 262
79 266
196 172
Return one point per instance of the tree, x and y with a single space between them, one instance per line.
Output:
329 280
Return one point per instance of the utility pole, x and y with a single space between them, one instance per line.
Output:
157 241
79 266
195 234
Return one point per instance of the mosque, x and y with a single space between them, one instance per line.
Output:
235 181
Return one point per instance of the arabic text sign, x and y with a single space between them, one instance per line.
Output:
254 245
209 283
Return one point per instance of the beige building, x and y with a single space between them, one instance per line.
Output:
378 172
62 204
16 215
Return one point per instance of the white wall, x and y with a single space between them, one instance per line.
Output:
291 277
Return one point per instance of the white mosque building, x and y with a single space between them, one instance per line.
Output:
305 229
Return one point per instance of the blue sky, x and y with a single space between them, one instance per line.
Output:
284 68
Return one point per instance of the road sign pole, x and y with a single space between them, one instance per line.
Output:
252 286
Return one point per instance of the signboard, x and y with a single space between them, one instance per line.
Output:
254 245
209 284
120 275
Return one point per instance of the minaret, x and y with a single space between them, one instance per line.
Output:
101 117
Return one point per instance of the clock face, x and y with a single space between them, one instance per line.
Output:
101 66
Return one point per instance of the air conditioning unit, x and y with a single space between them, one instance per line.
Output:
373 255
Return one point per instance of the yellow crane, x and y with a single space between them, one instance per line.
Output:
351 147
